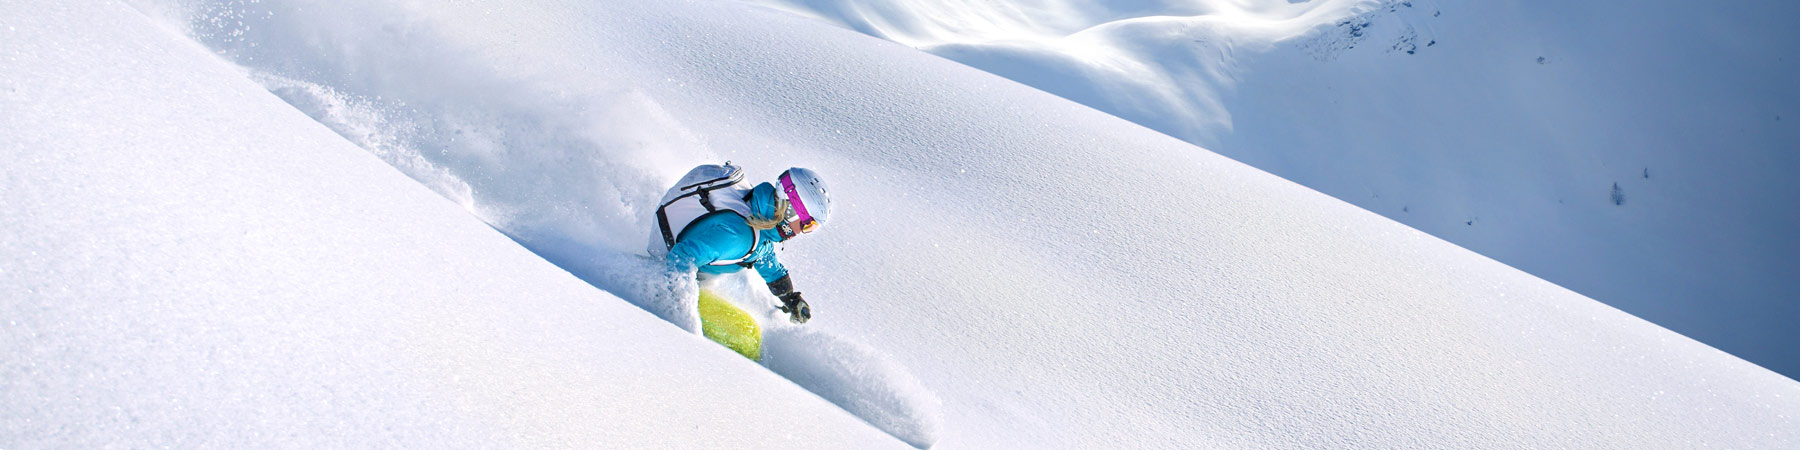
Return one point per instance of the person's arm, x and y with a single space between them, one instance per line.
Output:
782 285
773 272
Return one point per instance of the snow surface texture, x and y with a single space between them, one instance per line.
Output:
1636 152
187 262
1640 153
991 239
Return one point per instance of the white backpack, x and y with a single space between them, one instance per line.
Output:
705 190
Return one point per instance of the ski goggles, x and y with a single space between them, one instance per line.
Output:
797 210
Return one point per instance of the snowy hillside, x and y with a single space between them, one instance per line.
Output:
1635 152
994 244
188 262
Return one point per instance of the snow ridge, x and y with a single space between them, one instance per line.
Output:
1164 65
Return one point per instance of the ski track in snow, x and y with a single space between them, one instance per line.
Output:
857 377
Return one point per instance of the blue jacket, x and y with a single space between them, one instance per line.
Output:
725 236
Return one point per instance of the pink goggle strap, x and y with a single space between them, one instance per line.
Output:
787 185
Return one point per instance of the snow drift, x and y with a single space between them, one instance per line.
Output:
1167 65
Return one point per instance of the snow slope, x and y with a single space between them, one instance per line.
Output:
994 241
1640 153
1635 152
188 262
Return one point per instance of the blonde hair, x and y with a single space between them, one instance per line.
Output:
764 223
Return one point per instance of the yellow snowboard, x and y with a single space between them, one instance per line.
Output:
729 325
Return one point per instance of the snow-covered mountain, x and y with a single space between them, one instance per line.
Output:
195 262
1635 152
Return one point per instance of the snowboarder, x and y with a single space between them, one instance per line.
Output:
711 225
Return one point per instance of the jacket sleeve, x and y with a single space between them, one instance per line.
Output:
770 268
765 262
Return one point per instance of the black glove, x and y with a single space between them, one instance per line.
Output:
791 302
781 287
795 307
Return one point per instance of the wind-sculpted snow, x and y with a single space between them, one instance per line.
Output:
1163 64
1053 276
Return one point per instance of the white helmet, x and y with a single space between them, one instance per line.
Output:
807 197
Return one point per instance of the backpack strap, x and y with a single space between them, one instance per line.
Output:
701 192
755 238
662 219
703 189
